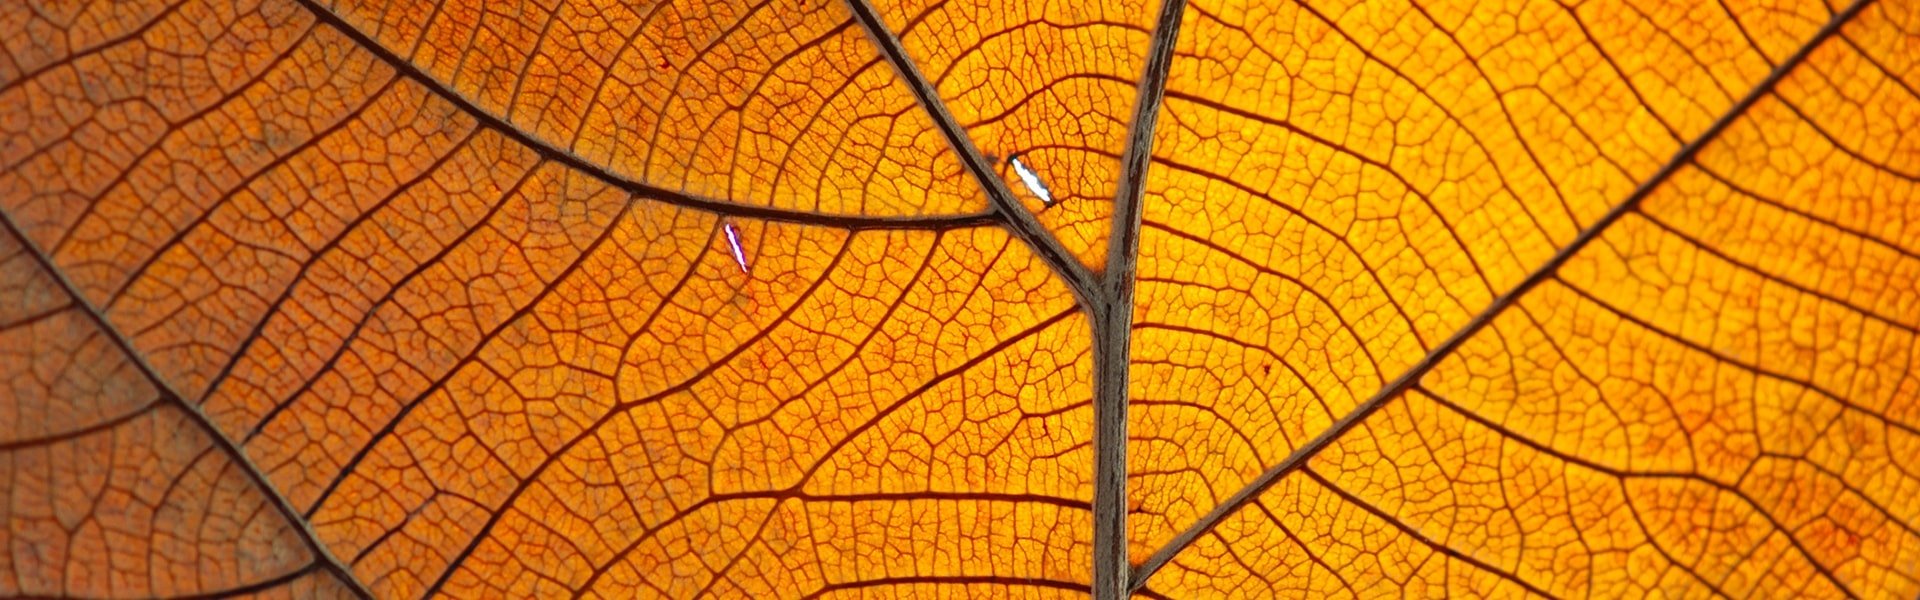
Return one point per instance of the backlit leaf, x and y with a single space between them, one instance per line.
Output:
398 298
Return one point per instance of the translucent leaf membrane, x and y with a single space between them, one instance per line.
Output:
1715 398
781 105
479 367
1050 83
110 489
509 299
752 105
1339 187
655 420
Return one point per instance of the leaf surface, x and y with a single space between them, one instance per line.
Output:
406 298
1397 167
114 487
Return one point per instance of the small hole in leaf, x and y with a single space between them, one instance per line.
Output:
1031 178
733 243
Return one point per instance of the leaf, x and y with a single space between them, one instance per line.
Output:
101 465
1704 390
411 298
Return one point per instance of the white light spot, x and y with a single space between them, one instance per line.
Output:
1032 179
733 242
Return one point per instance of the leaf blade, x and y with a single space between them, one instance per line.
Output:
148 421
1411 380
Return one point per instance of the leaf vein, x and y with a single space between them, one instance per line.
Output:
1411 377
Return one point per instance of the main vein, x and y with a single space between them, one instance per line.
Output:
1113 321
1412 375
1108 299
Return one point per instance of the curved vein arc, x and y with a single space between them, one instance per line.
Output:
547 150
1412 375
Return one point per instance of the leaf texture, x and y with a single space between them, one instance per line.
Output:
1052 85
1689 404
400 299
114 487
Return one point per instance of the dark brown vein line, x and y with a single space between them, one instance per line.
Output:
354 115
622 407
1113 319
80 432
1412 376
173 127
1302 545
925 387
30 320
1346 326
1732 489
199 417
833 588
320 255
1709 249
1890 243
1415 533
1754 366
556 154
251 589
440 383
75 55
1010 213
351 340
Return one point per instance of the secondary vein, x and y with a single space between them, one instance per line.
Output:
1016 218
650 192
1412 375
